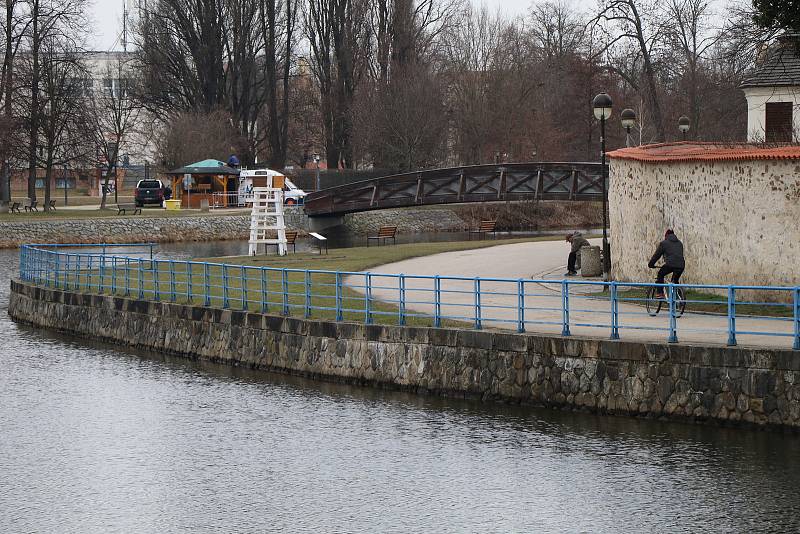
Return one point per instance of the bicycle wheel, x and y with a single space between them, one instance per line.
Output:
680 302
652 303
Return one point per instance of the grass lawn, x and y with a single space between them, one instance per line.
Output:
260 283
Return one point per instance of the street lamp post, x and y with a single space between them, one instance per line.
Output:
602 111
628 118
683 125
316 176
66 183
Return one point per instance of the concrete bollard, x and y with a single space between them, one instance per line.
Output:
204 204
591 265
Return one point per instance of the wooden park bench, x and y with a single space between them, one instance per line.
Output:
15 206
486 227
30 205
291 239
122 209
384 233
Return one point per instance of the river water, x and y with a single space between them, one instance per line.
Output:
94 438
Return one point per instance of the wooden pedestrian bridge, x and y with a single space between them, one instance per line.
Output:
481 183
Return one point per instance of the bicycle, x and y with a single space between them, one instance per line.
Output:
653 303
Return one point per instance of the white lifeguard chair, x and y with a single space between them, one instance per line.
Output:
266 220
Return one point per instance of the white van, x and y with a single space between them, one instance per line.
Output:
292 195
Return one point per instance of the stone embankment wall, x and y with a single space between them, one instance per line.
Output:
407 220
130 229
211 227
728 385
738 220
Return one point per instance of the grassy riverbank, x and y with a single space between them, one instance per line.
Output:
261 284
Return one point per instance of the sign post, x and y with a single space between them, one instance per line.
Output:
187 185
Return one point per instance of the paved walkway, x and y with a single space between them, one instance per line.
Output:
545 260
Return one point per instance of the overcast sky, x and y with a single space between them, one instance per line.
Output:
108 19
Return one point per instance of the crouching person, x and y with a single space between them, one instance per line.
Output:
577 242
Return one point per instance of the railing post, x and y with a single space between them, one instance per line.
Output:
673 323
401 319
264 291
102 273
285 291
796 345
244 287
189 284
113 275
614 311
154 268
127 276
477 299
66 272
173 289
731 316
225 302
78 272
140 279
338 283
520 305
307 280
437 301
89 267
565 308
58 268
367 298
206 284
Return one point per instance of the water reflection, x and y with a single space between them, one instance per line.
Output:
100 439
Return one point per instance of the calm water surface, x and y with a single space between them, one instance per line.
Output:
97 439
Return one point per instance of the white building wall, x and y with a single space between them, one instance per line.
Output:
757 98
738 220
104 70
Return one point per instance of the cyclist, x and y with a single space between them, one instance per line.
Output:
671 249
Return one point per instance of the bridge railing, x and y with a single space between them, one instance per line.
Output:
759 315
479 183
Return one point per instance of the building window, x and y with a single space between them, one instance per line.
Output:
70 183
779 122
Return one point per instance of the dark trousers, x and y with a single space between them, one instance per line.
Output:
573 256
665 270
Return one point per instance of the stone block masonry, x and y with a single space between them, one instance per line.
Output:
703 384
135 229
124 230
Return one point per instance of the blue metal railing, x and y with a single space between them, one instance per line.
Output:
558 306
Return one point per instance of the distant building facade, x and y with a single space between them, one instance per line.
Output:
773 94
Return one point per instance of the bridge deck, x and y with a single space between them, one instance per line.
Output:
518 181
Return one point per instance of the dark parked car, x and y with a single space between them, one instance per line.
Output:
151 192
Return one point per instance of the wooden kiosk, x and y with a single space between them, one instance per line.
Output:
211 180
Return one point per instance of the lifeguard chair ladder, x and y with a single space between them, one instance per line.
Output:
267 219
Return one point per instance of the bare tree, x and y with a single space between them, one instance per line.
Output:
635 25
14 29
338 34
47 20
688 31
111 119
61 135
278 26
406 129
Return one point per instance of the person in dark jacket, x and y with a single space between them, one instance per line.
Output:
577 242
672 251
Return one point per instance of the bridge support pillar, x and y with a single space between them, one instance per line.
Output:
320 223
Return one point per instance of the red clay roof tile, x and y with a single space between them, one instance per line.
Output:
697 151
